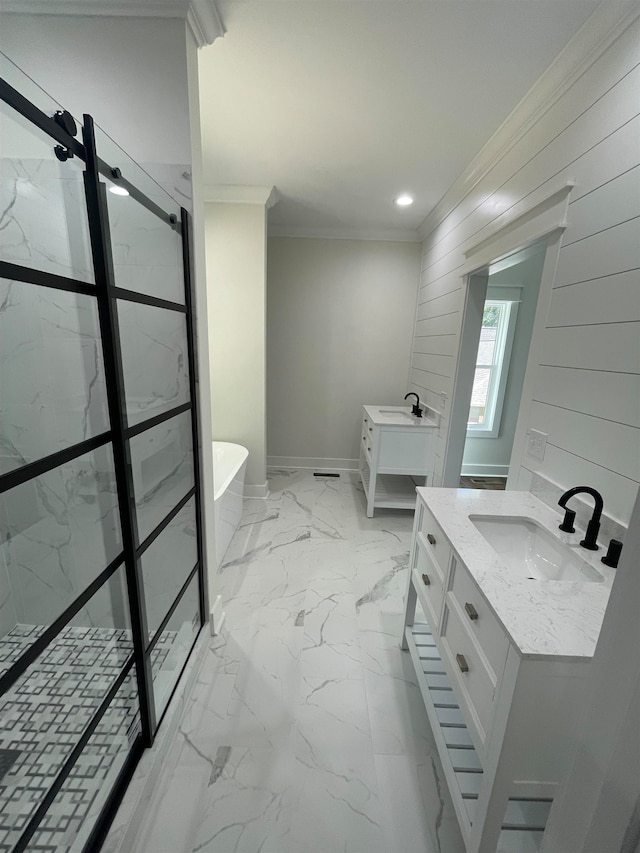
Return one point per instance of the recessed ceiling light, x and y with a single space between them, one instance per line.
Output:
404 200
118 190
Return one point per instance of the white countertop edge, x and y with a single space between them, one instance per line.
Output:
544 619
427 421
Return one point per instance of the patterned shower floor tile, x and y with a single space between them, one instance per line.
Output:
42 718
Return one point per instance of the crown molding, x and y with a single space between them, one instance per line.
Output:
116 8
391 235
202 16
205 22
237 194
610 19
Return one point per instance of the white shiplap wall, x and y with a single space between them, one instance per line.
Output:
586 381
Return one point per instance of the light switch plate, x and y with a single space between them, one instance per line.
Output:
537 443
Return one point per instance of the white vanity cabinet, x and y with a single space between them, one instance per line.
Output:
395 447
502 718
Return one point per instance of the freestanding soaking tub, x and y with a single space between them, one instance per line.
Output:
229 465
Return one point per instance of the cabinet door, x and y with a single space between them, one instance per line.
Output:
405 451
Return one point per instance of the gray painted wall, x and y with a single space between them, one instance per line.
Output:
339 327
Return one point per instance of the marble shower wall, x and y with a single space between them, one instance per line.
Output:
154 359
43 219
180 634
147 256
147 252
51 372
162 463
166 564
58 532
52 376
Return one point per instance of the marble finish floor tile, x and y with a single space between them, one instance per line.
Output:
399 724
249 802
305 731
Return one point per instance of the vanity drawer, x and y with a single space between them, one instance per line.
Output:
479 619
430 584
436 542
475 686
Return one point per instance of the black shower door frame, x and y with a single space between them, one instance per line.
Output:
119 435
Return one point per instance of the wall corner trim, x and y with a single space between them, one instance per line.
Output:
610 19
238 194
204 21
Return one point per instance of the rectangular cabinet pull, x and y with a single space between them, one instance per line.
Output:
431 539
426 580
472 613
462 663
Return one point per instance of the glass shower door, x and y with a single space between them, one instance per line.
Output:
101 571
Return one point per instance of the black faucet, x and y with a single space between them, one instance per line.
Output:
416 410
590 540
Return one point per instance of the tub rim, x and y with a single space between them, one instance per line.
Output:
241 453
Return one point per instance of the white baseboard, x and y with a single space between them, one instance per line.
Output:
312 463
260 491
485 470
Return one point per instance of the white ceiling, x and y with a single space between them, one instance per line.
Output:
343 104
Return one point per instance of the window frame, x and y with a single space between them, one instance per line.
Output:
499 370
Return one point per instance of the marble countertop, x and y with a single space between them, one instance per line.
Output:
400 416
542 618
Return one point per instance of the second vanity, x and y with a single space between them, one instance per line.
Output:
395 447
511 613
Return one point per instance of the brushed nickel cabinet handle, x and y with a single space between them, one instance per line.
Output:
426 580
462 663
472 613
431 539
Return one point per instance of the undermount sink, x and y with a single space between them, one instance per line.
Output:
531 551
397 414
